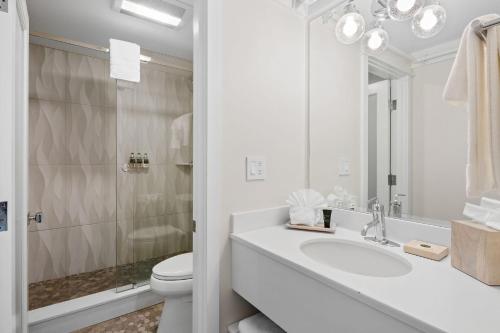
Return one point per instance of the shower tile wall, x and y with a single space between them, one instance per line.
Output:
159 209
73 166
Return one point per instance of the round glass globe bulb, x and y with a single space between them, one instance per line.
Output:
402 10
376 40
350 28
429 21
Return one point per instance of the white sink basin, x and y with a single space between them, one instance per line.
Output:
356 257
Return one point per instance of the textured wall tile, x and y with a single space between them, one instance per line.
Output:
48 73
110 136
152 92
47 126
47 193
86 128
125 242
47 254
87 80
91 194
180 189
152 134
173 235
125 195
91 247
151 192
110 93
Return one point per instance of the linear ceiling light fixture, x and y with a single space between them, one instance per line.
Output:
143 11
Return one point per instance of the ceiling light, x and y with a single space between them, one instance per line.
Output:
149 13
402 10
376 39
351 26
429 21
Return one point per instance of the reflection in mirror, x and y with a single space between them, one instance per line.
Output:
379 126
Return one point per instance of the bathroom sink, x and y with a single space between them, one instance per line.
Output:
356 257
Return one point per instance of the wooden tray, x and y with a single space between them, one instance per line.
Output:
317 228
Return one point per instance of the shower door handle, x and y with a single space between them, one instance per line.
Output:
35 217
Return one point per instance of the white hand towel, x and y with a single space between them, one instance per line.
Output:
470 85
125 62
182 131
258 324
306 207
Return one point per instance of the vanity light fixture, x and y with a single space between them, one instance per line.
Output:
142 10
351 26
428 19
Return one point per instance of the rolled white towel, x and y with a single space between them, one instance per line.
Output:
258 324
489 217
306 207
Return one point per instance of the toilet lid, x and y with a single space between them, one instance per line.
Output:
179 267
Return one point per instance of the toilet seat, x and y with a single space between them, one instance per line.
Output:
177 268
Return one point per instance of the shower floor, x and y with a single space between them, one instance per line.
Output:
54 291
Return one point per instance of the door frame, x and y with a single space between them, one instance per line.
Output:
206 77
382 90
206 264
14 64
403 75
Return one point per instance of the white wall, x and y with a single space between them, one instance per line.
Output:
335 102
439 146
262 113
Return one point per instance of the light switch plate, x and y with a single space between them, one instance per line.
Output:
4 6
344 167
256 168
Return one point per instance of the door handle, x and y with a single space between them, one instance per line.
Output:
35 217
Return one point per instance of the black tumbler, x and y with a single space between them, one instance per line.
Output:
327 215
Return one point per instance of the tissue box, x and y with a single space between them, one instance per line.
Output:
475 250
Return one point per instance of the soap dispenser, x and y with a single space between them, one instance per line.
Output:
397 205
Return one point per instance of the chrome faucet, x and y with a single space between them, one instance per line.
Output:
378 222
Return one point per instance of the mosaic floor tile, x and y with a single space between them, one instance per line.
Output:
144 321
54 291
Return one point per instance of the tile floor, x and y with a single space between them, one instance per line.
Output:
143 321
54 291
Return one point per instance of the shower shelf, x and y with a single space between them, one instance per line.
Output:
190 164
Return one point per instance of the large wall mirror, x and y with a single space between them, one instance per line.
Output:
378 124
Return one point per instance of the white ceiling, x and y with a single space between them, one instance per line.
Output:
95 22
459 14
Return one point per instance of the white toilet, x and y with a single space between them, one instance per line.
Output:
173 279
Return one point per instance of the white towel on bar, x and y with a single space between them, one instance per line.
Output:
125 62
182 131
474 82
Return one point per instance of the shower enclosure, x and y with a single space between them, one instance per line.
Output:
110 170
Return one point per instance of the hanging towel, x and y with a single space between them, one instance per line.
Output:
182 131
473 82
125 63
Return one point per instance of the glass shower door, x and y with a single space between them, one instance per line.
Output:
154 171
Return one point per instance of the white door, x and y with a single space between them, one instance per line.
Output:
13 115
378 141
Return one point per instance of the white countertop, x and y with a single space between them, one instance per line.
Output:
433 297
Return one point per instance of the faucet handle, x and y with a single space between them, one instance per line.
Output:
373 202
